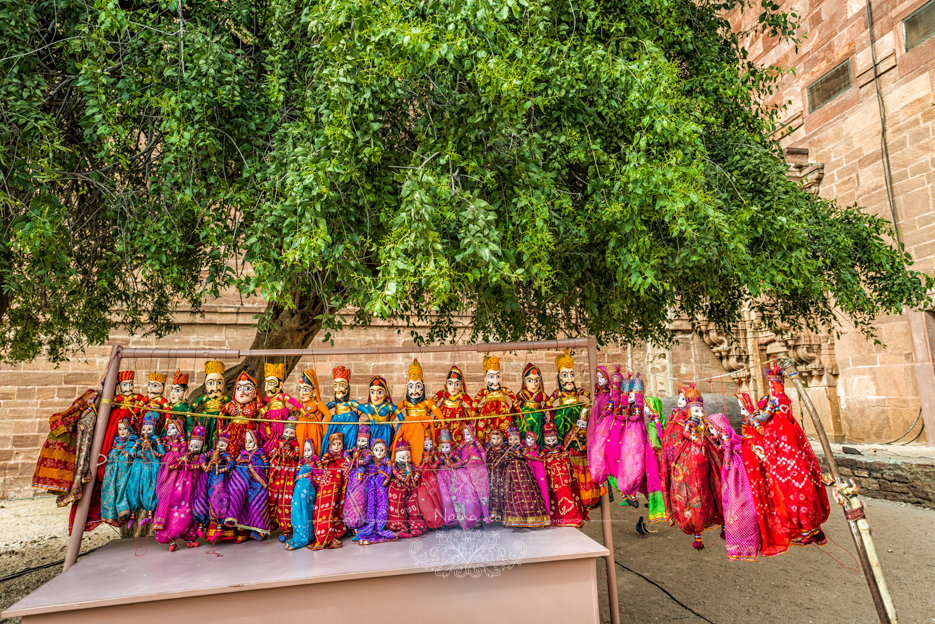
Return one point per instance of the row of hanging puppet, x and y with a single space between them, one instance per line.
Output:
763 489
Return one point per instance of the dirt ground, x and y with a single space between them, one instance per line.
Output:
803 586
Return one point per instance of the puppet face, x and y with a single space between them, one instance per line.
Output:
492 379
195 446
631 396
309 451
288 433
272 385
496 438
363 441
551 439
533 383
743 408
427 445
453 385
582 424
530 440
337 447
601 380
402 456
249 442
155 389
681 402
147 430
177 393
446 447
566 377
245 391
696 411
341 389
379 450
377 394
214 385
513 439
415 390
306 392
126 387
122 430
222 444
467 435
172 429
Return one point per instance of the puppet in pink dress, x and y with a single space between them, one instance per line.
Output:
537 467
277 406
741 526
597 464
474 460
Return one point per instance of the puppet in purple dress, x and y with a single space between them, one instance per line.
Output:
445 462
379 475
474 460
534 460
174 518
249 494
355 498
741 525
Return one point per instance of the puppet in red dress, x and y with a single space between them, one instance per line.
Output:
244 406
155 401
494 404
329 504
454 402
564 496
126 406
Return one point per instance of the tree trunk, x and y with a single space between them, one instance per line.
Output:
291 329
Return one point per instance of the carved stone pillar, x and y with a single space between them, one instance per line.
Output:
731 349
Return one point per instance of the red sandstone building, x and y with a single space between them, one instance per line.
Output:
838 107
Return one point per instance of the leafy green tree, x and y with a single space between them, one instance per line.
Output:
546 167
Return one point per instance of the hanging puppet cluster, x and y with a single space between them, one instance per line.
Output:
232 468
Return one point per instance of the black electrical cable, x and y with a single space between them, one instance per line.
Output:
911 427
665 591
16 575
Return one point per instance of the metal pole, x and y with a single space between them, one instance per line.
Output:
100 430
605 510
846 493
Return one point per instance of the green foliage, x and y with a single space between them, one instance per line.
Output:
548 167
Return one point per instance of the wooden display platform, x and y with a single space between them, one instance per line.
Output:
542 575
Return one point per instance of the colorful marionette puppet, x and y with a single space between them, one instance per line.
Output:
314 412
147 453
418 414
522 501
405 519
218 474
125 406
379 475
793 463
241 411
64 460
283 466
380 412
606 402
474 468
568 399
175 517
638 470
155 401
210 404
355 496
249 490
177 401
537 467
330 483
494 405
445 463
533 402
741 528
175 446
576 445
691 470
345 412
115 502
496 472
429 497
303 501
564 497
454 403
276 406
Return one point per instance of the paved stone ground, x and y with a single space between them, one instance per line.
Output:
804 585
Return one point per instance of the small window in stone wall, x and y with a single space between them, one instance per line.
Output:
920 25
829 86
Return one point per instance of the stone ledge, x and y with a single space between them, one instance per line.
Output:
902 474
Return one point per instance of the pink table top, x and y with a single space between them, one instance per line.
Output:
115 575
